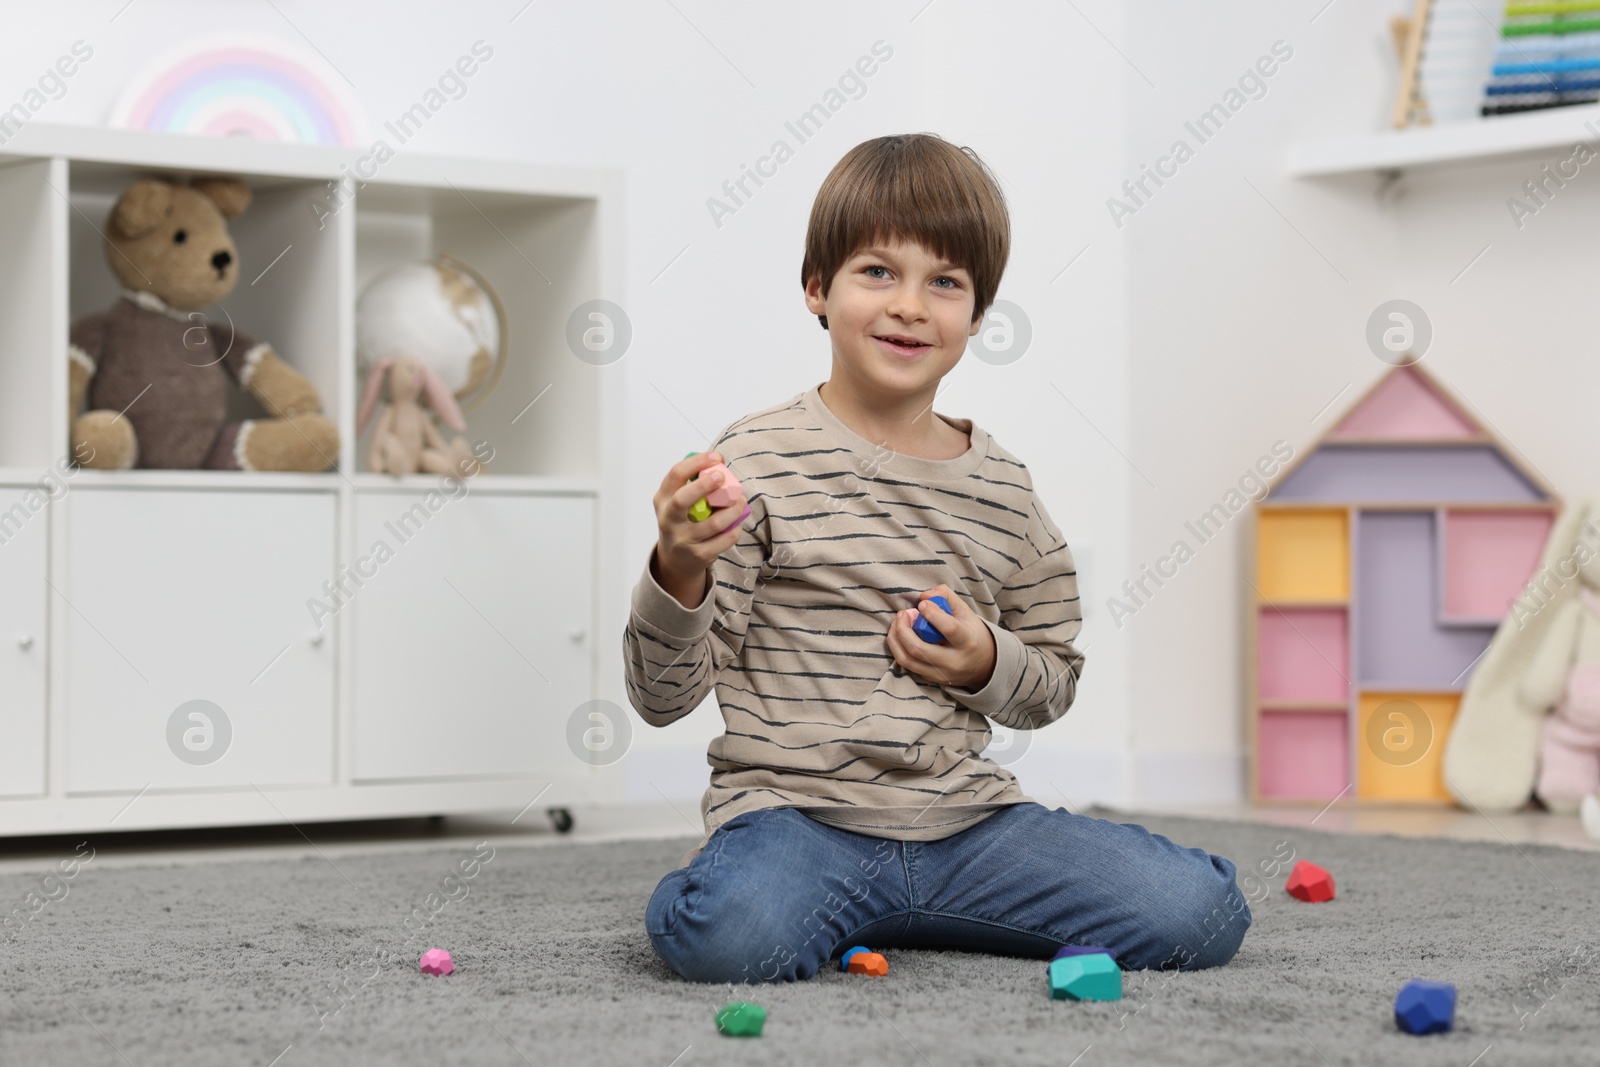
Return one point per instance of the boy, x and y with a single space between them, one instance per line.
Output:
850 802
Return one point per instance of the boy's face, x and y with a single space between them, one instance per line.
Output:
898 316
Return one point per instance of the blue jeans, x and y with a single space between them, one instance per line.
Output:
774 895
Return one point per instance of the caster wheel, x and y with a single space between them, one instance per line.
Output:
561 819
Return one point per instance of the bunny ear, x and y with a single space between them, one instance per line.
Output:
441 400
369 399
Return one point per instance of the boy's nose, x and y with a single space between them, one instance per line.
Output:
908 303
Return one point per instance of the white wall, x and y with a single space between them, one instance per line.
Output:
1217 319
680 96
1248 311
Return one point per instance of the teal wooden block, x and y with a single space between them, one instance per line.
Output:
1090 977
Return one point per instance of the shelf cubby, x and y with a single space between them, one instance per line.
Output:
539 254
1400 749
1302 755
1304 655
1303 555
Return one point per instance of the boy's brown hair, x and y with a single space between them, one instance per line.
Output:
919 188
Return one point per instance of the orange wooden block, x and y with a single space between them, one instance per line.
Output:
869 963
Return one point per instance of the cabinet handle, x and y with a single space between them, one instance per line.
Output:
578 634
25 641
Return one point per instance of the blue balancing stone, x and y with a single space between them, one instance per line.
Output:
924 629
844 961
1425 1007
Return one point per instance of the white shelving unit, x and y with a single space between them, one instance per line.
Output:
1489 140
445 678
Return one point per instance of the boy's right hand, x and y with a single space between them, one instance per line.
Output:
686 549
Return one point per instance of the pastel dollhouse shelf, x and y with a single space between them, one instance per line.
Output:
1384 559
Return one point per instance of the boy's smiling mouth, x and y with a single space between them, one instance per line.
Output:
902 345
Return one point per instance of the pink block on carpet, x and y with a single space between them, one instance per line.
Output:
1302 755
1488 557
1304 655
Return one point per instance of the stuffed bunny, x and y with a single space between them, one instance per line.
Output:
406 440
1564 675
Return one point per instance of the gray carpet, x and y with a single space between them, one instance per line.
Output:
231 963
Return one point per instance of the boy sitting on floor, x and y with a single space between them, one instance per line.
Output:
850 801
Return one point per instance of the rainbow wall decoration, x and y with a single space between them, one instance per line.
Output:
244 85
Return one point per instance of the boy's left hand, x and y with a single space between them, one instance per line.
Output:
966 656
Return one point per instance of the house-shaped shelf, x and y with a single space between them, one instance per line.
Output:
1384 559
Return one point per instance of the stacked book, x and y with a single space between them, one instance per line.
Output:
1547 55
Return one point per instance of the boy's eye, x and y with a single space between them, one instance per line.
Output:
946 278
875 266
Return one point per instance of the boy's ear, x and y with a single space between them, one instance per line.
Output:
815 303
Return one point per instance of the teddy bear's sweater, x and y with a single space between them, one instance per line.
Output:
177 402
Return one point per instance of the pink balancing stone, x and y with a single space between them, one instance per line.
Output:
436 961
724 494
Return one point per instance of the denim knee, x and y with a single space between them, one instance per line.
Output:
721 938
1208 925
725 920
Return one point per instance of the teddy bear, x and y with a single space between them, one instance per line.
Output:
152 368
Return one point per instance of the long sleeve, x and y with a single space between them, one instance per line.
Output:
673 654
1036 666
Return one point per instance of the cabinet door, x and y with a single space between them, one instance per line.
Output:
471 641
193 657
24 540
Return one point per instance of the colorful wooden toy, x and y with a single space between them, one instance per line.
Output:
436 961
1385 556
740 1018
1425 1007
844 961
868 963
720 497
1095 976
924 629
1310 883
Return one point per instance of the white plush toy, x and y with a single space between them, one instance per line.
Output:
1530 717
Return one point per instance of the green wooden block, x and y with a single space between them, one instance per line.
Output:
701 511
740 1018
1091 977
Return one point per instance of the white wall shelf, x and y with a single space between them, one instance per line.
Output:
444 683
1491 140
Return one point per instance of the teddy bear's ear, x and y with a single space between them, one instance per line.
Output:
229 194
142 207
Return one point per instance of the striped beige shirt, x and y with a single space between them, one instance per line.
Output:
792 636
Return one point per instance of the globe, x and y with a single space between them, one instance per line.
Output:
438 311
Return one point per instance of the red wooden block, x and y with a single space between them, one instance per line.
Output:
1310 883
